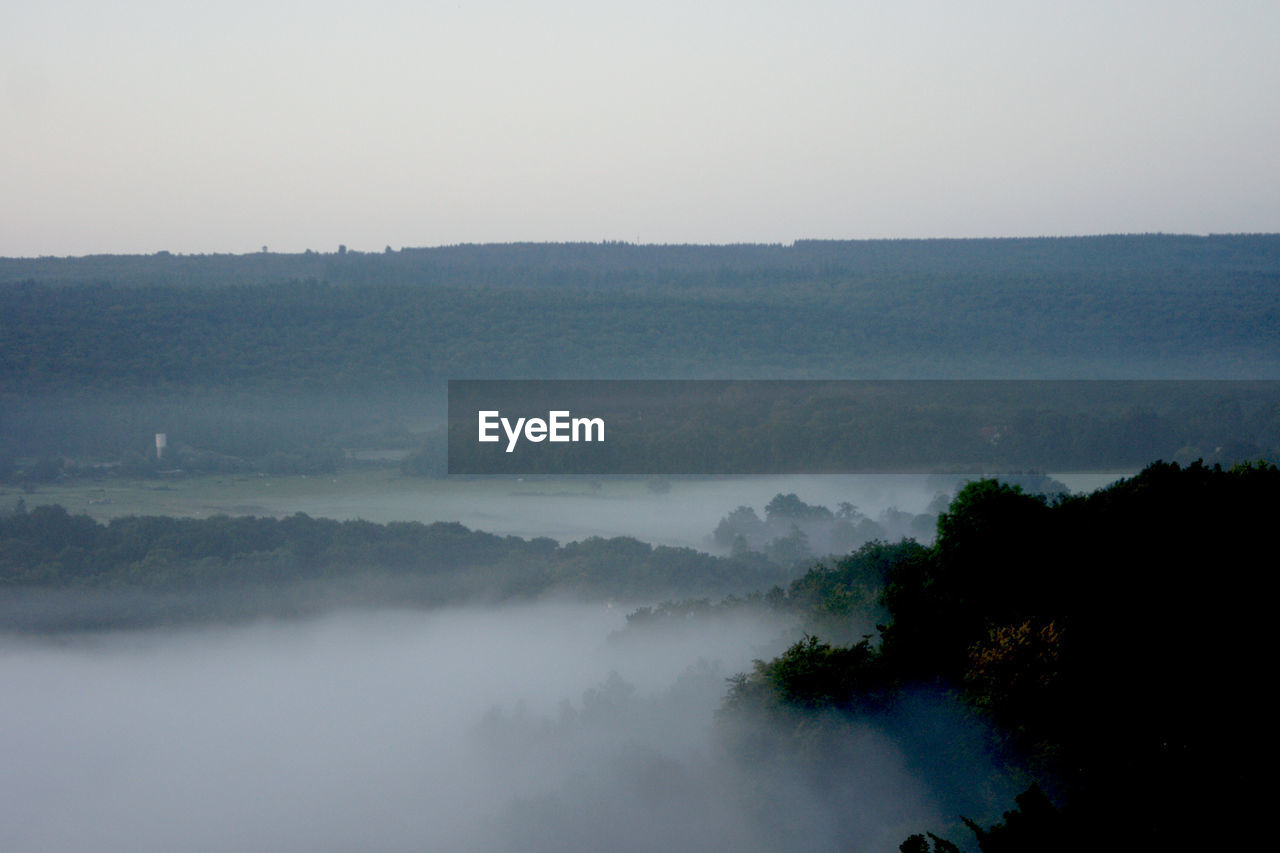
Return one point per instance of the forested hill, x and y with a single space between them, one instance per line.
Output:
1119 307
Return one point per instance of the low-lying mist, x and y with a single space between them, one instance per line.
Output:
534 727
680 512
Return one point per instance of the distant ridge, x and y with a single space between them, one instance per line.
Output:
456 264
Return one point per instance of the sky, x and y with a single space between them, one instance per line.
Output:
145 125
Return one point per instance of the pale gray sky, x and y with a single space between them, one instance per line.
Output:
142 125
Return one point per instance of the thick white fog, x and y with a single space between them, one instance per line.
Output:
531 727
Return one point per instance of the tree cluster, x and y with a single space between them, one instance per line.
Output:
1116 640
49 549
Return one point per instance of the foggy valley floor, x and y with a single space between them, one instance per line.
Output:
526 727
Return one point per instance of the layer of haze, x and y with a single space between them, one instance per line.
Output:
569 510
140 126
529 728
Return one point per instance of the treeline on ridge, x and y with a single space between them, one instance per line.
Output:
614 263
1123 306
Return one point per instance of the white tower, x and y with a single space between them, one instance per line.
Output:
162 442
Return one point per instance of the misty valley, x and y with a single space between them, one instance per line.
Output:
245 606
297 682
479 716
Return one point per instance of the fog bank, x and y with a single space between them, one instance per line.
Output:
531 727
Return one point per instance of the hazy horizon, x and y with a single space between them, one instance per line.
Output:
143 127
340 248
